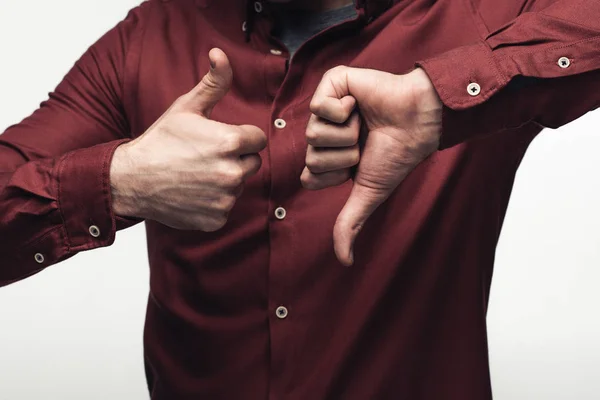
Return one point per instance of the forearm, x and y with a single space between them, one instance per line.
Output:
127 196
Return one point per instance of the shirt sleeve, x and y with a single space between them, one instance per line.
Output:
541 66
55 197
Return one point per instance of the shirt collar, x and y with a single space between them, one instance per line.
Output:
367 9
374 8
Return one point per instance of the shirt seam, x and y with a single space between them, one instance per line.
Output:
127 86
569 22
38 239
61 168
106 191
484 96
551 48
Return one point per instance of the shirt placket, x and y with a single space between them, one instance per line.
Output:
284 178
280 212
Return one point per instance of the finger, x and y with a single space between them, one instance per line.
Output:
332 109
250 164
213 86
332 99
323 133
252 139
360 205
312 181
325 159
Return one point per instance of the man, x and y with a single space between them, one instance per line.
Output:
267 146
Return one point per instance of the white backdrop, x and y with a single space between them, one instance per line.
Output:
74 331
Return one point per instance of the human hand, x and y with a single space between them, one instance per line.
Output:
186 171
401 116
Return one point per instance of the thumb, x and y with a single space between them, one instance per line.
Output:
363 201
213 86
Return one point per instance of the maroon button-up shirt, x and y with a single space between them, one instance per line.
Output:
407 321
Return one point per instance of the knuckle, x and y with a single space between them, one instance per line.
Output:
226 203
215 224
179 100
262 137
255 133
334 71
221 221
231 143
209 82
312 136
233 178
307 181
316 105
313 162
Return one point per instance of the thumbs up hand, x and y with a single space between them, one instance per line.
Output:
401 116
186 171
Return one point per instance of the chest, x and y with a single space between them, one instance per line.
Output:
272 91
268 85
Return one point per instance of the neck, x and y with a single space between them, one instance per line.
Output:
315 5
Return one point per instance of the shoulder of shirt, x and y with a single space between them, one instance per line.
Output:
152 12
166 8
156 10
181 4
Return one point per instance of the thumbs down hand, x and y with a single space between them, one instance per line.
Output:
401 119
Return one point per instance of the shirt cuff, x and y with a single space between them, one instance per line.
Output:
463 78
84 197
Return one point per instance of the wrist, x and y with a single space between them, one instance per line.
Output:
126 199
430 108
425 90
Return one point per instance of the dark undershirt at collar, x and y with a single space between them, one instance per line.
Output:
294 27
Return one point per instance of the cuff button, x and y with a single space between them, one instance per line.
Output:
474 89
94 231
39 258
564 62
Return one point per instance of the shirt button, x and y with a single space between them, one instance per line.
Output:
39 258
94 231
280 123
244 26
276 52
281 312
564 62
258 6
280 213
474 89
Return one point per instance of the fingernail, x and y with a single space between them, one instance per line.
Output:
212 64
